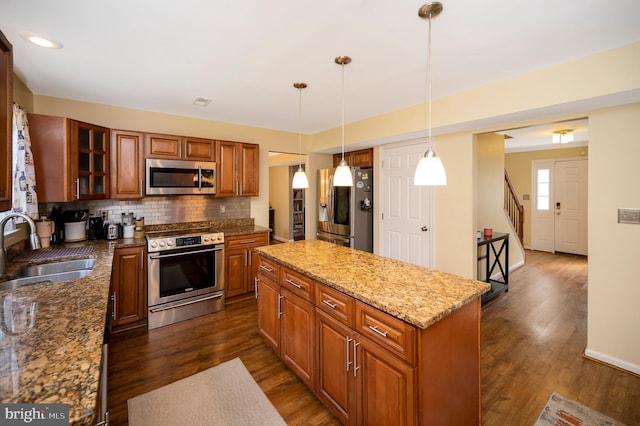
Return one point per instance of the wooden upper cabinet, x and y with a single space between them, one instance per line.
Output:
199 149
237 169
179 147
127 164
361 158
6 121
71 159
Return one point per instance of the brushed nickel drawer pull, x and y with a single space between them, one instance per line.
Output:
293 283
375 328
329 304
248 242
264 268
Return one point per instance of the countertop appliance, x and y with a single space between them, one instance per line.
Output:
345 214
168 177
185 275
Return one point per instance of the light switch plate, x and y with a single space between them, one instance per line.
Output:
629 216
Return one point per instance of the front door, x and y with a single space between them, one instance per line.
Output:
406 209
571 206
559 206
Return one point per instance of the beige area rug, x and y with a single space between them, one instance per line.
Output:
562 411
223 395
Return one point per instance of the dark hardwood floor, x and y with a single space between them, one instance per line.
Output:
533 338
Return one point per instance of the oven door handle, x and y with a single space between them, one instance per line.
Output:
190 302
161 256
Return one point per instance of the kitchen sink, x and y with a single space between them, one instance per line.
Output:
50 273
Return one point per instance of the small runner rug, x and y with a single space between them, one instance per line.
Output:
223 395
561 410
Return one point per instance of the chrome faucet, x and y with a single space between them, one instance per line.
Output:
34 239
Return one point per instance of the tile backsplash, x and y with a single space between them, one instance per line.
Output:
163 210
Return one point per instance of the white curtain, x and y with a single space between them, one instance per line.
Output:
25 199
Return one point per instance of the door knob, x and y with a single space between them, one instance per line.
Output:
424 229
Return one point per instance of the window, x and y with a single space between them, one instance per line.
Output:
542 190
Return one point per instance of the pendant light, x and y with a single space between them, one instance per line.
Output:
343 176
300 180
430 170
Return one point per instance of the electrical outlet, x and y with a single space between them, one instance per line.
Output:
223 209
629 216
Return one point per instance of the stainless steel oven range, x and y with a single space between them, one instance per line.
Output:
185 275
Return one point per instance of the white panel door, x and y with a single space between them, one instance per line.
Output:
571 206
406 209
542 214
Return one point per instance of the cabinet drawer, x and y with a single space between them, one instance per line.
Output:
268 268
336 304
298 284
386 330
243 241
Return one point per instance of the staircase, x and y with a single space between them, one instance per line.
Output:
512 206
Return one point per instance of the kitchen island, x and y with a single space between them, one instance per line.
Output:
373 337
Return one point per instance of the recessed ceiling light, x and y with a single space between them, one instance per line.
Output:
42 41
201 102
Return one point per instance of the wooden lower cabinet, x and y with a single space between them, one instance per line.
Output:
368 367
269 311
361 382
335 382
240 262
384 386
129 288
297 333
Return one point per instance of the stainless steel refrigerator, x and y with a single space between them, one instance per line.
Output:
345 214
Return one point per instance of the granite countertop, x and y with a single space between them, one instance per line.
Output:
230 227
417 295
58 360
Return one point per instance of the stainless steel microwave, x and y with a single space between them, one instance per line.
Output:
179 177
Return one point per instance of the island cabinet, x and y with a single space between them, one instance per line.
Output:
127 164
71 158
286 316
129 288
401 350
240 263
237 169
179 147
365 377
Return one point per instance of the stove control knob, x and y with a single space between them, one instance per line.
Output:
169 243
219 237
206 238
161 243
153 244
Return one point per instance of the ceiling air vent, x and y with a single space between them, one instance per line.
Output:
201 102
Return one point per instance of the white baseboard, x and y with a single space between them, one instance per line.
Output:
498 276
608 359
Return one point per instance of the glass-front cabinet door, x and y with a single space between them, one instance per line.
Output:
90 161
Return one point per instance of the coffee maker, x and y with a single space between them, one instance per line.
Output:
96 230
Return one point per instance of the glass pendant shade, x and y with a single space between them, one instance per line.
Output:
343 176
300 180
430 171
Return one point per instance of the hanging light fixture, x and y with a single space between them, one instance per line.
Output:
562 136
300 180
430 170
342 175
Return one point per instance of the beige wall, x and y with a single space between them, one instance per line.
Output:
490 194
614 248
21 94
280 200
541 96
518 166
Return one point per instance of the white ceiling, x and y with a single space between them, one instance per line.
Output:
158 55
